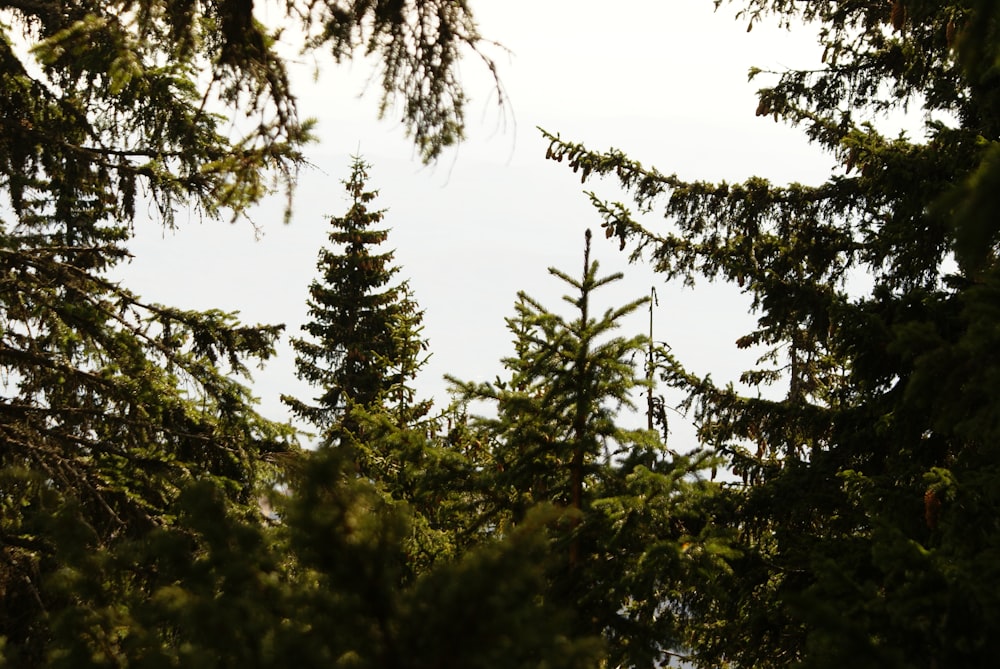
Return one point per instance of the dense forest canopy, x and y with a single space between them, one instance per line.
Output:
152 518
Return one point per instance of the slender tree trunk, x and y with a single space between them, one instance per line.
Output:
580 415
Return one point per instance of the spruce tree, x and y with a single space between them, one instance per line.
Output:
365 351
632 539
363 331
567 385
865 492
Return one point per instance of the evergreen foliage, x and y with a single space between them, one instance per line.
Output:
856 525
364 353
862 508
365 604
633 537
124 427
364 334
116 95
111 407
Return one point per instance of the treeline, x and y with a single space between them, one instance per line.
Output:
149 517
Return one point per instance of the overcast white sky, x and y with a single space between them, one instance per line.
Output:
664 81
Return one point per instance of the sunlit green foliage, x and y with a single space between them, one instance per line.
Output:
366 605
118 417
634 543
863 490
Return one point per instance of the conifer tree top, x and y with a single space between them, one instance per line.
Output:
354 351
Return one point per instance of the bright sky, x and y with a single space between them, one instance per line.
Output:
664 81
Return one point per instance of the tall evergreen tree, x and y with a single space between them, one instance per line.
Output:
363 331
865 505
365 350
558 410
633 534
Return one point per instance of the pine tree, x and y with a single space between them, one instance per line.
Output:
365 351
864 505
631 537
363 337
567 385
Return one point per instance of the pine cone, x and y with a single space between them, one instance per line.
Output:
898 15
932 508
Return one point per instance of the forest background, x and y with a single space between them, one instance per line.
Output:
153 517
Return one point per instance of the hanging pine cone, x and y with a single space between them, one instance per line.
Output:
898 15
932 508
